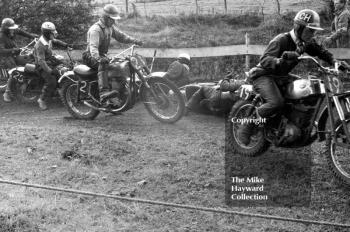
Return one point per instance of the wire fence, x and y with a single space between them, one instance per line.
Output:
235 7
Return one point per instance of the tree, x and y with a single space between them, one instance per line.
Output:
71 17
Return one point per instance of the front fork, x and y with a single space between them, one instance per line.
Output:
340 106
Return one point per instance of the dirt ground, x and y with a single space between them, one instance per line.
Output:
134 155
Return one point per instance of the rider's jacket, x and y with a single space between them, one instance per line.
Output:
271 62
341 28
178 72
7 45
99 37
43 55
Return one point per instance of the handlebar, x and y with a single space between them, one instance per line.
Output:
26 50
131 49
328 70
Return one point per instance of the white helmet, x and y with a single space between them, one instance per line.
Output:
184 56
47 28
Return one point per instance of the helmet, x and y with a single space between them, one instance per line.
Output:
111 11
8 23
308 18
184 58
48 28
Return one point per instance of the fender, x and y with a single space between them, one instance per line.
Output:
156 74
323 116
68 75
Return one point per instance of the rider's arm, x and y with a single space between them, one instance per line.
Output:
40 57
26 34
121 36
60 43
94 42
230 84
174 71
270 60
315 49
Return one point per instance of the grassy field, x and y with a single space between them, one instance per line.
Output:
134 155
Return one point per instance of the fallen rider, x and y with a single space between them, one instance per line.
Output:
216 99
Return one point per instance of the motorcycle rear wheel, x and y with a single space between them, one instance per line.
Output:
168 106
258 144
338 158
78 110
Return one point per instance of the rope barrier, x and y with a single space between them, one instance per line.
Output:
183 206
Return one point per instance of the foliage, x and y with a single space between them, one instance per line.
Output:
72 18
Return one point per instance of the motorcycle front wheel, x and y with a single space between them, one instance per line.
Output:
4 76
75 106
163 100
258 145
338 157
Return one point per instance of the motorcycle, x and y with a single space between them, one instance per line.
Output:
23 58
315 108
162 99
27 79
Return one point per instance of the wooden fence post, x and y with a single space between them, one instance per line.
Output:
247 57
225 6
197 10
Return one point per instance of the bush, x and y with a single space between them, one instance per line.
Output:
71 17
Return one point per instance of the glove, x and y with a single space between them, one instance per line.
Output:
327 42
343 66
16 51
55 72
289 55
138 42
104 60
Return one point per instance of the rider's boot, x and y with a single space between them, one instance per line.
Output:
42 104
7 97
105 91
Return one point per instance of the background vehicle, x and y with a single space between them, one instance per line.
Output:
161 98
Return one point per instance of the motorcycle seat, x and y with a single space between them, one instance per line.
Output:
85 72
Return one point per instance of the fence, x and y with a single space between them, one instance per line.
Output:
236 7
211 63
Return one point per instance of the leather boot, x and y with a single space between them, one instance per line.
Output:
105 91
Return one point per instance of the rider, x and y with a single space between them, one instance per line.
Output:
340 26
279 58
98 40
9 50
179 70
218 98
45 61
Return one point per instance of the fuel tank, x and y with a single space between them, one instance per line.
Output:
303 88
119 69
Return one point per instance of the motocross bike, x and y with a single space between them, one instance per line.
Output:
161 98
28 81
23 58
302 121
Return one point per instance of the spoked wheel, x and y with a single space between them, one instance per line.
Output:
242 110
77 108
338 157
163 100
4 76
